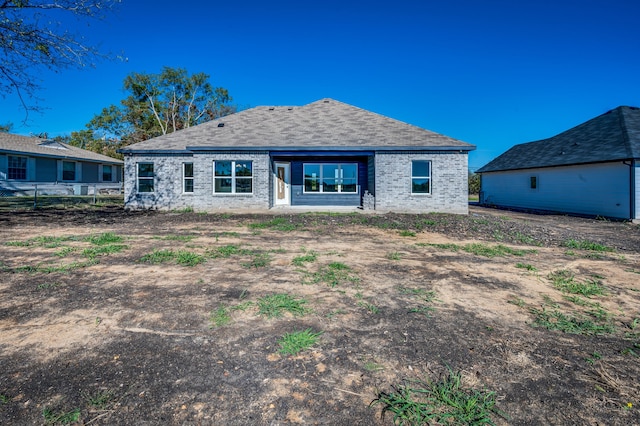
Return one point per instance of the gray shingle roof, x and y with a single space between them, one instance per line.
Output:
320 125
26 145
612 136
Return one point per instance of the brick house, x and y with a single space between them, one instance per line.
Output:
326 154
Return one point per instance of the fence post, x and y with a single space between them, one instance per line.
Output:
35 197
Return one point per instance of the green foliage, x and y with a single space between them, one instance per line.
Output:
189 258
106 238
259 260
277 224
158 256
394 256
93 252
159 104
183 238
407 233
565 281
481 249
526 266
333 274
4 399
308 257
578 324
220 316
274 305
293 343
587 245
475 183
445 402
100 399
65 417
369 307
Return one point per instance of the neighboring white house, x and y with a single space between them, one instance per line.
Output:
592 169
55 167
326 153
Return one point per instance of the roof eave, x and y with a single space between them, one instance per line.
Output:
65 157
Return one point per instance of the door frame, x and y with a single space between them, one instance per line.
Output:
282 186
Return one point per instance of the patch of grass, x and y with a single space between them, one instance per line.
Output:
68 417
4 399
158 256
227 251
259 260
333 275
443 402
481 249
308 257
293 343
189 258
220 317
580 301
65 251
102 250
587 245
526 266
47 286
394 255
18 243
424 310
104 239
369 307
525 239
556 320
278 224
407 233
518 302
372 366
565 281
100 399
332 314
183 210
275 305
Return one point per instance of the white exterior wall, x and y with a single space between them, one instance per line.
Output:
593 189
168 181
449 183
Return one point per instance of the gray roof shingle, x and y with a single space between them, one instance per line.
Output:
321 125
612 136
26 145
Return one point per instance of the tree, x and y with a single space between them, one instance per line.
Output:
474 183
6 128
162 103
32 38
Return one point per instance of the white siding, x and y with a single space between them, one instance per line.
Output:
593 189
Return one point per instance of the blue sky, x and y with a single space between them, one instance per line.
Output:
493 73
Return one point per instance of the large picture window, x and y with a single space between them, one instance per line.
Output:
420 177
68 170
145 177
331 178
233 177
17 168
187 177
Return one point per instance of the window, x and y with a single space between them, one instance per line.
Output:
331 178
145 177
17 168
233 177
187 177
421 177
107 173
533 182
68 170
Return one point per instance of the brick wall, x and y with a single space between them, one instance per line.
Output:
449 186
168 182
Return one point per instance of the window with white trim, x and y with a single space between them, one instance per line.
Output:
421 177
68 170
107 173
17 168
187 177
145 177
233 177
330 178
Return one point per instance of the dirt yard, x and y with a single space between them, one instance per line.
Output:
115 318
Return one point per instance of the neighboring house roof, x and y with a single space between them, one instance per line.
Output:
322 125
612 136
26 145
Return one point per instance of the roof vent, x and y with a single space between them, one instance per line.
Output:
326 101
220 124
289 109
271 109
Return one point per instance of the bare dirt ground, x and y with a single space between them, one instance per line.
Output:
119 340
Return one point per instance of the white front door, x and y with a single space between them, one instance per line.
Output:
282 183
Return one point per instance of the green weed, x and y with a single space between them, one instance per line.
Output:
407 233
445 402
394 255
480 249
103 239
51 417
556 320
18 243
4 399
424 310
369 307
293 343
65 251
46 286
102 250
587 245
100 399
189 258
183 238
274 306
372 366
227 251
518 302
220 317
260 260
158 256
526 266
278 224
565 281
333 275
308 257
